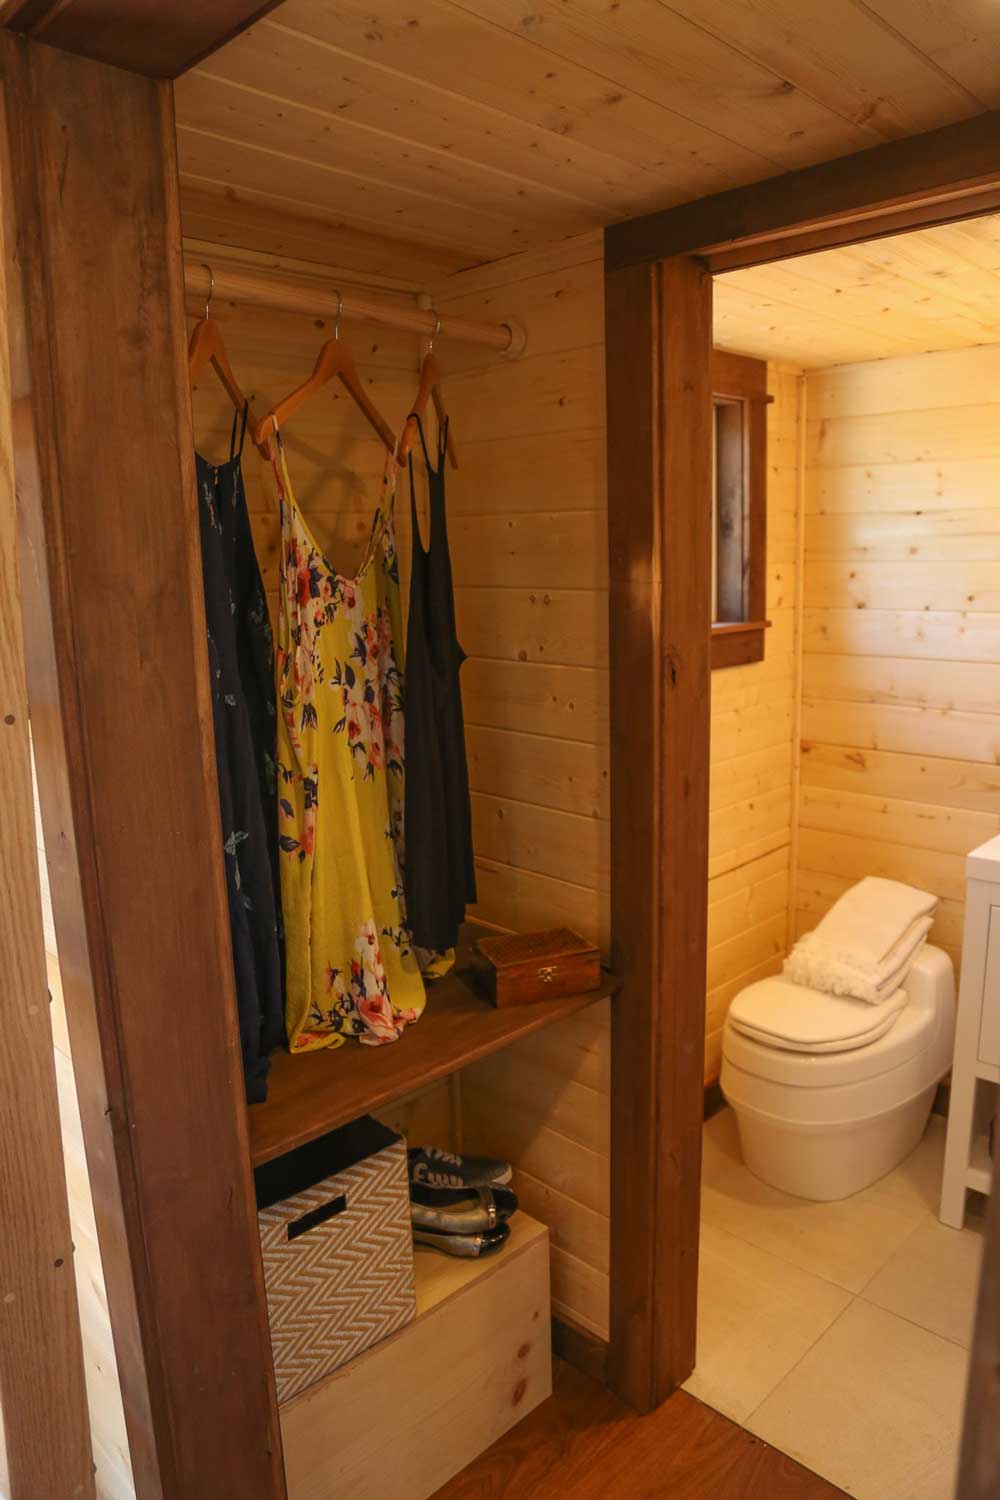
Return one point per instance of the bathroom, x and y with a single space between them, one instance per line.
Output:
859 739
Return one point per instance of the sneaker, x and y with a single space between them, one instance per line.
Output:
469 1246
460 1210
432 1167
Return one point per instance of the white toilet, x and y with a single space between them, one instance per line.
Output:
831 1093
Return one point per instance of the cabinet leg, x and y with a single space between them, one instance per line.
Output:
957 1146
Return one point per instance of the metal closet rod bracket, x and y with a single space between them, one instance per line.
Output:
517 337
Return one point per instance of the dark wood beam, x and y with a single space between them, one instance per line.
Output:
158 38
41 1352
941 175
659 352
979 1466
122 728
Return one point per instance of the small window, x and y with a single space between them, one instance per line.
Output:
739 508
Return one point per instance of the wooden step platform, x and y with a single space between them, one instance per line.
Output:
413 1411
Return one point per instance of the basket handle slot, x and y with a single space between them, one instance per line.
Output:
317 1216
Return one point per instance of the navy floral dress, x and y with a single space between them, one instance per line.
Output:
241 668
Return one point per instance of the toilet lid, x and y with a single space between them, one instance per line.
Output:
793 1018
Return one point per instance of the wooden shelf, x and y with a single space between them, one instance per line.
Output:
317 1091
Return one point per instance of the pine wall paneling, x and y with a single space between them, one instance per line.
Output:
901 625
113 1476
752 771
529 540
528 531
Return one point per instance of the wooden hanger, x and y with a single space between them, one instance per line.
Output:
206 347
430 386
334 360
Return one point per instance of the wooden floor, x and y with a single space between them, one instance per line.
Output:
584 1444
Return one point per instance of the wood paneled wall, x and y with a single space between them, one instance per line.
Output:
901 627
529 534
753 729
113 1476
528 528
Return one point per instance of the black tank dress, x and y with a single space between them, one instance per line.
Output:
241 670
440 874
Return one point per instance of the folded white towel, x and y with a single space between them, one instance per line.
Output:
812 962
872 916
867 943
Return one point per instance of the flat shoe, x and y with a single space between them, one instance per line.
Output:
460 1210
466 1246
432 1167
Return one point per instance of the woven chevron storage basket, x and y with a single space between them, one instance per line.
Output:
338 1251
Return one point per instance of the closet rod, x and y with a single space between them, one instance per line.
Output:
305 296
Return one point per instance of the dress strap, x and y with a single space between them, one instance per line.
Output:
235 452
413 488
423 441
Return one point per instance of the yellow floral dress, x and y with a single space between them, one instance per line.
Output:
350 969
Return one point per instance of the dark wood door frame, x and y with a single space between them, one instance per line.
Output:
934 178
659 359
156 39
658 271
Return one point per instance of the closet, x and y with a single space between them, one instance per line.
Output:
511 356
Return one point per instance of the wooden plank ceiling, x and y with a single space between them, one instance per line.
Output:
930 289
470 129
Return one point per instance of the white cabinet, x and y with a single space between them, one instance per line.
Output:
976 1070
989 1026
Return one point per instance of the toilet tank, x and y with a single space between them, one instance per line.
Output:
930 986
931 981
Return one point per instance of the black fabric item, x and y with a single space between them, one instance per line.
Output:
324 1157
241 669
440 874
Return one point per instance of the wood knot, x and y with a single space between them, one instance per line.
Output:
519 1391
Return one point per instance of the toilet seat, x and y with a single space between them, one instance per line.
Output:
792 1018
912 1036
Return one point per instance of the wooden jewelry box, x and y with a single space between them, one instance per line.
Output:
526 967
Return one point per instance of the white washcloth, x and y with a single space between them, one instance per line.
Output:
867 943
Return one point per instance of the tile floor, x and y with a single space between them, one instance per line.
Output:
838 1332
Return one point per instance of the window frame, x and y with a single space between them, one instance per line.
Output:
739 387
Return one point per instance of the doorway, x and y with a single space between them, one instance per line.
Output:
859 746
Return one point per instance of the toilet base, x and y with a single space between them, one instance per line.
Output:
828 1162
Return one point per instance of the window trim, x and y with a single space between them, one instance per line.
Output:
742 381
